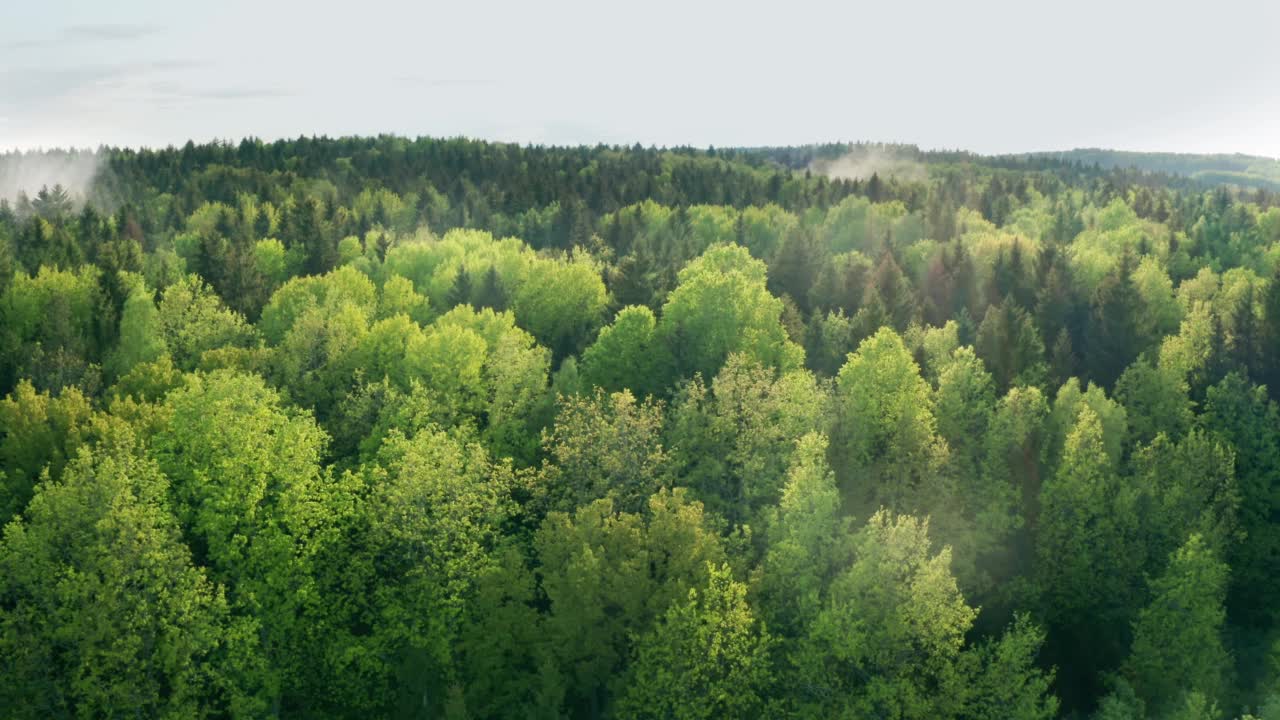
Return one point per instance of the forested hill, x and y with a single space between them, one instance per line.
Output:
380 427
1248 171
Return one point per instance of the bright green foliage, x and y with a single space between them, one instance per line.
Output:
40 433
449 360
734 445
48 327
937 345
885 435
1085 565
509 519
272 260
247 484
605 446
193 319
763 228
149 381
141 339
1187 354
383 351
101 609
1160 312
30 299
626 355
722 306
472 367
806 539
889 637
1186 487
397 297
504 376
561 303
711 225
1199 289
237 459
434 265
1177 638
434 510
1008 684
707 658
856 224
319 354
1155 401
608 576
326 294
1068 403
963 403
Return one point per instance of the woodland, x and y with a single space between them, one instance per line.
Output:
388 427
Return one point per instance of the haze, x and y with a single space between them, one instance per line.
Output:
988 76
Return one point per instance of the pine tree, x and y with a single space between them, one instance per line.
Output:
460 293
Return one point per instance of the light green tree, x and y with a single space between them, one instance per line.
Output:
722 306
1071 398
626 355
193 320
248 488
707 658
963 403
734 444
434 510
1155 401
607 576
890 635
605 446
1086 565
102 611
1177 638
807 537
40 432
560 302
885 436
141 337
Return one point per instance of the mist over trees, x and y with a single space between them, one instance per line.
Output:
379 427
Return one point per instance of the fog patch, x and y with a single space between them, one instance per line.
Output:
25 173
863 161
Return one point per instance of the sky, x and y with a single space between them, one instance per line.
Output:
990 76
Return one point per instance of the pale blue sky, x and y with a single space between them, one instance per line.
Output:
987 75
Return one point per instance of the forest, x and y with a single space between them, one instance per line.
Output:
375 427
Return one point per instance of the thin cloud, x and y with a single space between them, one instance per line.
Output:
87 32
420 81
110 31
39 83
244 93
24 44
169 90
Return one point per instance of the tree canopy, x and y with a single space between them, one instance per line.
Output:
389 427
